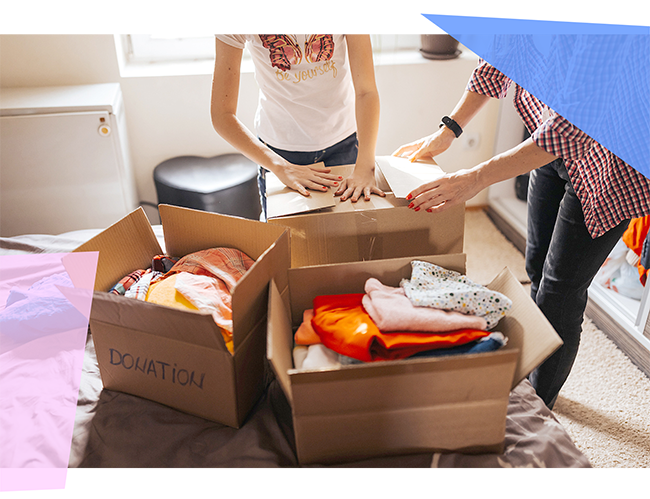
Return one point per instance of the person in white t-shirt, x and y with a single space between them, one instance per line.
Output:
318 102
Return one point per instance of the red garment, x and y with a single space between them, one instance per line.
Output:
344 326
634 237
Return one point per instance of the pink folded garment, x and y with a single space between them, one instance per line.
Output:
391 310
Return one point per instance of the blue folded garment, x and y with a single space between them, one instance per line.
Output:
39 311
490 343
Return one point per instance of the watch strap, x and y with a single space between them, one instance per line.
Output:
452 125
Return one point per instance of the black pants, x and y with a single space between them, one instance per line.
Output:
561 261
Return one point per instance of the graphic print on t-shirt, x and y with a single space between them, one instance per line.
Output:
284 50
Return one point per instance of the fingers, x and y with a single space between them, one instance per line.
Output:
430 197
354 194
317 182
405 150
301 190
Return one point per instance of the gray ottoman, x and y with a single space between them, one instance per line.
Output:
225 184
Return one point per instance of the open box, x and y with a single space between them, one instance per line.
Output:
443 404
325 230
178 357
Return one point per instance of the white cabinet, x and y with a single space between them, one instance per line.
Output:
64 159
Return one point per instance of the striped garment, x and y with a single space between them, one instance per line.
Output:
139 289
127 281
609 189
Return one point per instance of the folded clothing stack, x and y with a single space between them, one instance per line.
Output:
437 312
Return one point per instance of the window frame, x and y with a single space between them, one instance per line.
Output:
179 48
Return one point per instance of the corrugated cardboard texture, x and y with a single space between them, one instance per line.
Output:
188 231
323 238
280 344
123 247
403 176
409 406
166 322
188 377
528 329
187 364
395 176
416 405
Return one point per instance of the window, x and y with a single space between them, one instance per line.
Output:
167 48
141 49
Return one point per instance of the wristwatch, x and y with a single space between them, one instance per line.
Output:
452 125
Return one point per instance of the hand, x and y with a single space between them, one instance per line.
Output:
427 147
302 177
360 183
449 190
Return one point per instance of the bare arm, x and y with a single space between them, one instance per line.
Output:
438 142
458 187
223 111
362 180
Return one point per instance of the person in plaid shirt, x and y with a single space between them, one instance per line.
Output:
580 200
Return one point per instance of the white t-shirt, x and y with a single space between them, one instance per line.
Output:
306 100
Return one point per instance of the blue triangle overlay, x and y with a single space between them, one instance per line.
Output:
595 75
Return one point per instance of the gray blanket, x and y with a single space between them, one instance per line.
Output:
114 429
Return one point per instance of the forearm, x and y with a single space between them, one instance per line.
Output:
468 106
458 187
223 109
367 115
521 159
233 131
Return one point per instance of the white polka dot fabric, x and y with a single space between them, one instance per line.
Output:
436 287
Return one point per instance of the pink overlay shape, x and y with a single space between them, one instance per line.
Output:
43 329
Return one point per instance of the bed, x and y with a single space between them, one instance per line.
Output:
117 430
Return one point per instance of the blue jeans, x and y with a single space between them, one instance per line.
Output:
561 261
341 153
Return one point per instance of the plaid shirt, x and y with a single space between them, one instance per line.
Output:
609 190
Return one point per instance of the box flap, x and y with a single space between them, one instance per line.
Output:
373 234
395 175
279 337
125 246
250 295
188 231
182 325
281 200
537 340
403 176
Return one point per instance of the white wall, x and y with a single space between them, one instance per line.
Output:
168 116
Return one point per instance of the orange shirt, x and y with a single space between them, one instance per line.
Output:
344 326
634 237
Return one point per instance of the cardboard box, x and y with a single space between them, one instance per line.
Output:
177 357
383 228
447 404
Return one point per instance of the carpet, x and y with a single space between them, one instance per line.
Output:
605 403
